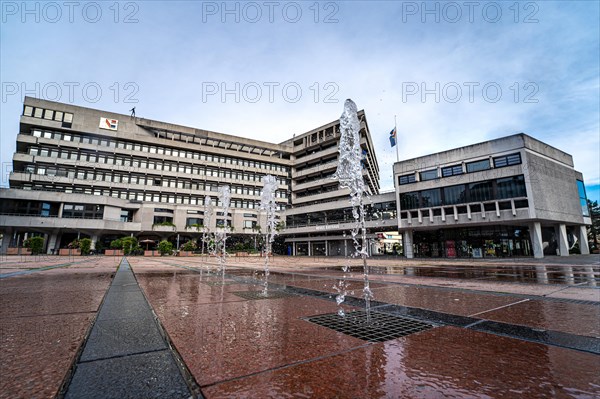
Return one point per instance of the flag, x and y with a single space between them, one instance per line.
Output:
393 137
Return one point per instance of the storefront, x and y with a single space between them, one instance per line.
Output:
473 242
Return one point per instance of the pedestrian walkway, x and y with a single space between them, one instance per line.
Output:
126 356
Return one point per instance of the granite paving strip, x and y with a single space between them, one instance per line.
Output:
126 356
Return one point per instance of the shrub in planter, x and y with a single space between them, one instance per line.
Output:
85 244
35 244
189 246
165 247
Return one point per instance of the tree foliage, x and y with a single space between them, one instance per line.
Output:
85 244
35 244
165 247
594 229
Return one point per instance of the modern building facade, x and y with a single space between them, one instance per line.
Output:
80 172
513 196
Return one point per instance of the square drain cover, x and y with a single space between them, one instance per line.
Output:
383 327
259 294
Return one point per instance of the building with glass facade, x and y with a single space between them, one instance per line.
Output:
513 196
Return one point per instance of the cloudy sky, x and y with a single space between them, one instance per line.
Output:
453 73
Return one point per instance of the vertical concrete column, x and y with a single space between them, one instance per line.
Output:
52 243
584 246
6 237
309 248
94 240
535 232
326 248
294 248
407 242
563 244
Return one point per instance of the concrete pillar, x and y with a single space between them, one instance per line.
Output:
52 243
535 232
309 248
94 240
563 243
6 237
326 248
294 248
584 246
407 241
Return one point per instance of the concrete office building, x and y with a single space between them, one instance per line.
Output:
514 196
80 172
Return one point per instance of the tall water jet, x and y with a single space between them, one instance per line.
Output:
221 235
207 238
349 175
267 203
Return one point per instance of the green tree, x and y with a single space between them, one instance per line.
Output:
594 229
116 244
127 244
189 246
165 247
35 244
130 245
85 244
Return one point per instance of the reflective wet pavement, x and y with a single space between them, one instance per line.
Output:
494 337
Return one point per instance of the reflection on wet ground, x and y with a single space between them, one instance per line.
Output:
492 345
542 274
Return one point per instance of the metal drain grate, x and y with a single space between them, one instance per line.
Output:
259 294
383 327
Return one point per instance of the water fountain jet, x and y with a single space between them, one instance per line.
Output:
349 175
267 203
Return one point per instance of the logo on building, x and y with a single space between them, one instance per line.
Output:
108 124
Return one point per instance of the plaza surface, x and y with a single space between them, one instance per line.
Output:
175 327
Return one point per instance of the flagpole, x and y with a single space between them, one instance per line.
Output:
397 142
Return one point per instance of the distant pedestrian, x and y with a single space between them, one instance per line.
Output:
132 110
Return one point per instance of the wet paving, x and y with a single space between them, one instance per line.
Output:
501 345
494 329
44 317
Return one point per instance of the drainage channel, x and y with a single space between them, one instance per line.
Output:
540 336
126 354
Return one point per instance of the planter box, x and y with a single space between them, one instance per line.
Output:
18 251
69 252
151 253
185 253
114 252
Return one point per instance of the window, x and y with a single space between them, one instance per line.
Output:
406 179
507 160
431 198
477 166
83 211
409 200
455 195
511 187
452 170
249 224
481 191
585 211
194 222
429 175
